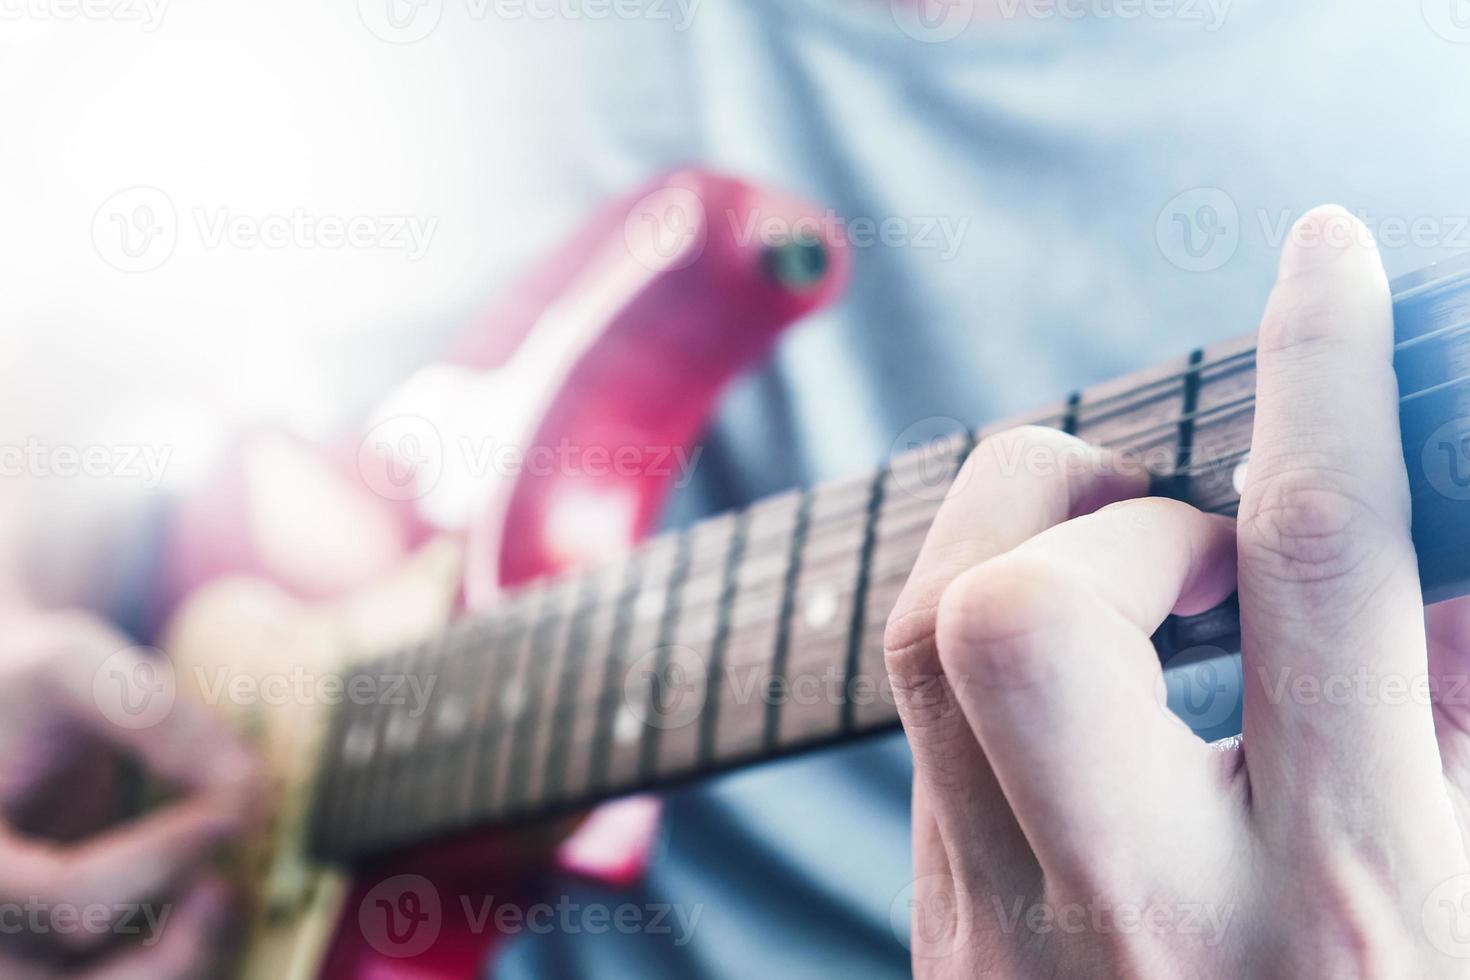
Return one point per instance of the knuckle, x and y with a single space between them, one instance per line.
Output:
1298 317
1304 527
915 676
990 620
908 638
1352 937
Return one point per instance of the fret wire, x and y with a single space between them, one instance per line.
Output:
327 813
788 600
678 574
1188 403
574 661
857 624
384 813
490 771
463 655
720 639
378 791
425 775
1069 417
473 772
446 726
354 789
521 744
617 651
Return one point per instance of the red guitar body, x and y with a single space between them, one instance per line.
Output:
598 369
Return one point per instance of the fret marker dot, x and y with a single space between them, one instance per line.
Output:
649 605
821 609
1237 478
359 744
451 716
402 732
513 700
626 727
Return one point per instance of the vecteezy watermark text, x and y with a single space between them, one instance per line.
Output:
302 229
410 21
222 685
130 461
405 457
1102 916
147 14
404 916
139 921
942 233
139 228
1201 229
1209 14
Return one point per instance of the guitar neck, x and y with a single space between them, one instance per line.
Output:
759 633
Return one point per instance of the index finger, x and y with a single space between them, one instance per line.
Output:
1329 589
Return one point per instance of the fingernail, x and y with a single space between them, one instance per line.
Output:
1322 237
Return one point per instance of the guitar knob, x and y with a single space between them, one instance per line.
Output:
796 265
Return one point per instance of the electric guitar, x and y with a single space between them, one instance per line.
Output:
547 655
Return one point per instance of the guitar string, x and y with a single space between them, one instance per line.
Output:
1238 360
1131 442
1128 443
770 586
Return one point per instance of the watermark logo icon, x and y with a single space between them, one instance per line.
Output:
1199 230
666 687
1445 460
401 458
1202 687
136 229
925 917
401 21
667 229
933 21
1446 917
926 456
402 916
135 688
1450 19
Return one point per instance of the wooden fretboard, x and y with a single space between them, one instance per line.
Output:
759 633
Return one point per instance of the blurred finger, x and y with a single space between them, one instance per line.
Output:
163 940
125 867
186 944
